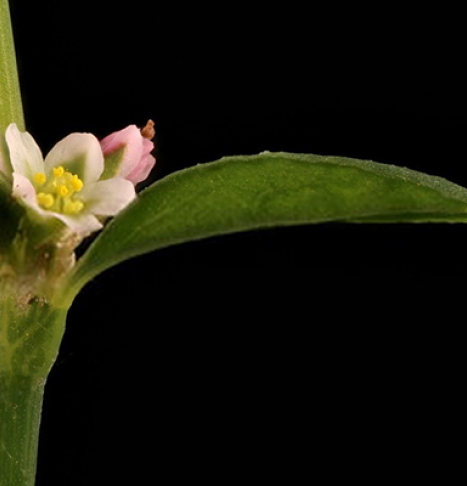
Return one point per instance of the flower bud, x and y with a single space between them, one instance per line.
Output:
127 153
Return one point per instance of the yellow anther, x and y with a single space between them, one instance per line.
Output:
45 200
62 191
40 178
58 171
74 207
58 193
76 183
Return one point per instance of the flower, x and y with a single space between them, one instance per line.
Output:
128 153
67 185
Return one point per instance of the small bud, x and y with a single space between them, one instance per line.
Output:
127 153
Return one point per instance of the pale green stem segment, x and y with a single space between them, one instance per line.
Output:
11 108
30 335
20 412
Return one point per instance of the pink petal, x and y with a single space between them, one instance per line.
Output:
142 172
129 138
137 161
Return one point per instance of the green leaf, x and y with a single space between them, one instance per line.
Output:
11 108
269 189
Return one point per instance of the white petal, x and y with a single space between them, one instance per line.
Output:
108 197
83 224
25 192
79 153
25 155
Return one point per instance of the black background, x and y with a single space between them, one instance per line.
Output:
327 351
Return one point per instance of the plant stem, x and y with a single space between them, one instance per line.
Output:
20 413
30 333
11 108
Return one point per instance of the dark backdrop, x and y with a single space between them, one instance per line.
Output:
330 351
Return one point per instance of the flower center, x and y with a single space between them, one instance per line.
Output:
57 193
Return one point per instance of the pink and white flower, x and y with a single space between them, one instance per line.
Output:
69 184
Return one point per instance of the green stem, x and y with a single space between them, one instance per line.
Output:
11 108
20 412
30 333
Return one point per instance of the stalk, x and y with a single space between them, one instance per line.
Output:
11 108
20 413
30 334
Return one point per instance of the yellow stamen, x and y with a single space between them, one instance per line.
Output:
58 193
62 190
45 200
76 183
58 171
40 178
74 207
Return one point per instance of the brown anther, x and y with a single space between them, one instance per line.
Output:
148 131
